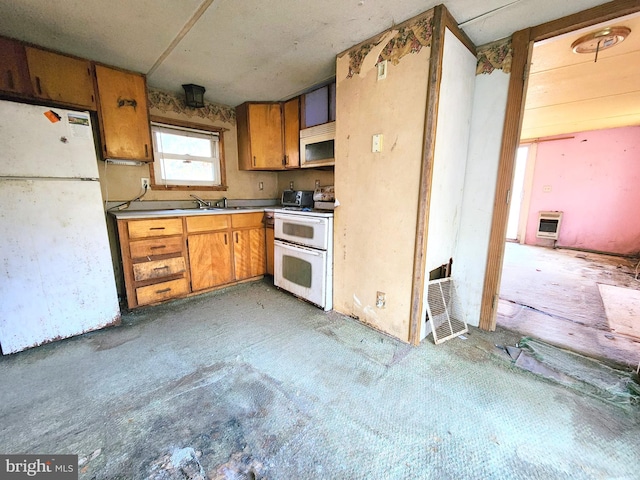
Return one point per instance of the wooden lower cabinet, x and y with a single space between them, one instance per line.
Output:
210 260
270 250
249 253
166 258
154 260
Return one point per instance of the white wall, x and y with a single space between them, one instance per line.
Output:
450 157
470 258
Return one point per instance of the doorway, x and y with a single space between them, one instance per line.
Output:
505 223
516 213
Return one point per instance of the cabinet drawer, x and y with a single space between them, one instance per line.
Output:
154 228
156 246
158 268
205 223
247 220
162 291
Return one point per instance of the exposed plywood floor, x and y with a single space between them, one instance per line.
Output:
553 295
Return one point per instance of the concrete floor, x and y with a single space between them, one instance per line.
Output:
262 385
552 295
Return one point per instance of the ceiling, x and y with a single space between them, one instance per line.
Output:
246 49
569 92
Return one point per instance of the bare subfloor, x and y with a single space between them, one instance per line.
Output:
552 295
262 385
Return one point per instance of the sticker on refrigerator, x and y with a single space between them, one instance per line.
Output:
52 116
79 125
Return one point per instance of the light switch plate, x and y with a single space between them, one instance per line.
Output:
382 70
376 143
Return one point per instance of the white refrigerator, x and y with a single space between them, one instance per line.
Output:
56 275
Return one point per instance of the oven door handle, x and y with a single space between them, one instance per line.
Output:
297 219
288 246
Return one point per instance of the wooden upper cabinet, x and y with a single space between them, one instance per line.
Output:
291 116
61 78
124 115
14 74
260 136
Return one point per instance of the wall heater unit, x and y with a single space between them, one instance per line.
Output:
549 225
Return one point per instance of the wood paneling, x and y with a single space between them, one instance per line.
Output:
565 88
60 78
210 260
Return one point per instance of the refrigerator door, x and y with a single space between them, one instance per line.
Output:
57 276
46 142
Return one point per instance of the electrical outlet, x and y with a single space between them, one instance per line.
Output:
144 183
260 185
381 299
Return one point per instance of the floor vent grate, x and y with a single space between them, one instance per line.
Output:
441 310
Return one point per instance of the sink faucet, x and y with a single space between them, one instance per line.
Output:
222 201
201 203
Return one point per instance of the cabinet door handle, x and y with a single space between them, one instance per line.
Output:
158 247
162 268
284 160
156 228
236 237
127 102
225 239
10 83
164 290
254 160
38 86
146 150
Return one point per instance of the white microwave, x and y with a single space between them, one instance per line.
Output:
317 145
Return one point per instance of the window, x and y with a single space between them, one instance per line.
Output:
187 158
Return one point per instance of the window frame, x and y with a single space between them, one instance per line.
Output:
169 122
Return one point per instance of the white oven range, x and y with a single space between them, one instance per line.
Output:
303 255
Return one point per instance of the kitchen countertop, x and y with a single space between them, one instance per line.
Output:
181 212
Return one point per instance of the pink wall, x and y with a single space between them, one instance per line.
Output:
594 178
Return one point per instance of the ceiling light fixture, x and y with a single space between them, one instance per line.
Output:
600 40
194 95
